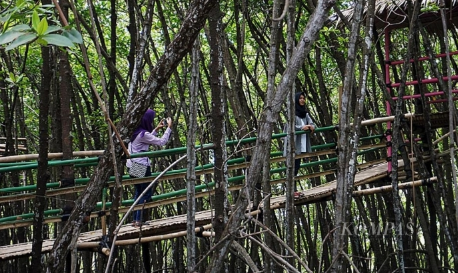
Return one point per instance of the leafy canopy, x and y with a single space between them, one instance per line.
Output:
22 25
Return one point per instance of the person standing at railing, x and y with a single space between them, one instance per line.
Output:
303 122
141 139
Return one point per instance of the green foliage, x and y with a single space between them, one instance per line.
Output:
19 30
13 79
430 7
13 33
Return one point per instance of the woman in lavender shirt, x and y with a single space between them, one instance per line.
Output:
141 139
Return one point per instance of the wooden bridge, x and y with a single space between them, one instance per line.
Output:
172 227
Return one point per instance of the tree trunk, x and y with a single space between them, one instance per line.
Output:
43 175
218 123
291 186
268 217
347 147
191 158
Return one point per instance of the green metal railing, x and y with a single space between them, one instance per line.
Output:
153 154
182 192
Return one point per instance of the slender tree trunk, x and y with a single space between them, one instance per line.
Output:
43 175
191 169
65 94
347 146
117 191
218 123
291 239
272 69
111 88
397 140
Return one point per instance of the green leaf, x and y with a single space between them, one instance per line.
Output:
13 33
73 35
58 40
42 27
52 29
12 77
21 27
21 40
19 79
9 36
35 20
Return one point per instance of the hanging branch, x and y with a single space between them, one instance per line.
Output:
283 14
61 14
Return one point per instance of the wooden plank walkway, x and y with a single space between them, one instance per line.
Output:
178 223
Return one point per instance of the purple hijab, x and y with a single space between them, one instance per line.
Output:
146 124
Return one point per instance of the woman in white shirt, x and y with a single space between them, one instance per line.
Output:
303 122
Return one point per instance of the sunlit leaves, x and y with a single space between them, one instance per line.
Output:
37 29
35 20
16 80
430 7
42 27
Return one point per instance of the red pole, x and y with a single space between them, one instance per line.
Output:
424 81
425 58
416 96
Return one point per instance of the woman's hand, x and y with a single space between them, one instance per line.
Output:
161 124
308 127
169 122
165 122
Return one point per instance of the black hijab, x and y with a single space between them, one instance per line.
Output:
300 110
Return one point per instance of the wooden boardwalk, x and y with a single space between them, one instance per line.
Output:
176 225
